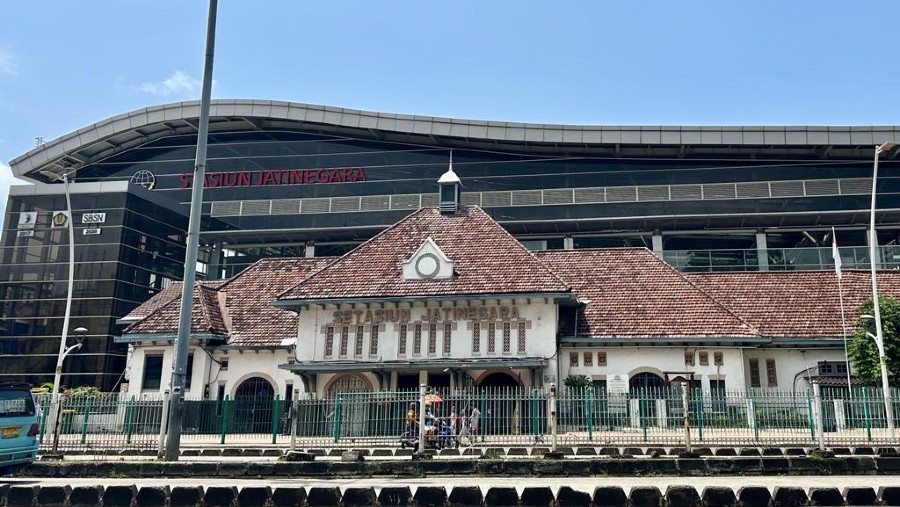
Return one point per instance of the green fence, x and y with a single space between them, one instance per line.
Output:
492 417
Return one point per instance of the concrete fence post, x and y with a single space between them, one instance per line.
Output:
552 411
422 388
820 419
163 426
685 412
295 410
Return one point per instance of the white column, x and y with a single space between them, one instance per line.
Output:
762 251
657 242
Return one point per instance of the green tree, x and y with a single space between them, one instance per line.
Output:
577 381
864 353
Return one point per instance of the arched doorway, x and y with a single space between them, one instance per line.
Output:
646 380
500 409
348 383
352 406
645 390
499 380
254 401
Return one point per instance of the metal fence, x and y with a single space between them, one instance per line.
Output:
497 417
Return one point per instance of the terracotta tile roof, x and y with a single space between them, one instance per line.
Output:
635 294
487 260
206 315
248 319
796 304
158 300
254 322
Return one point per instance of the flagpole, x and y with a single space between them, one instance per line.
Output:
836 254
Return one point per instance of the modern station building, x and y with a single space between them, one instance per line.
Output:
295 180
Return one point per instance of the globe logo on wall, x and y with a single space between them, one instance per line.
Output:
145 179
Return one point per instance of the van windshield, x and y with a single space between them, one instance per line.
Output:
16 403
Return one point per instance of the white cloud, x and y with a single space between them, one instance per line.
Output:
6 179
179 83
8 64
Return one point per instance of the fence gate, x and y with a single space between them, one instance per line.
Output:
253 406
354 413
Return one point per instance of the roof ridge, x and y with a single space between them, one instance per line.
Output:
363 245
712 298
522 247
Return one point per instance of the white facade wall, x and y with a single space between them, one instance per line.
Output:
207 375
790 364
539 315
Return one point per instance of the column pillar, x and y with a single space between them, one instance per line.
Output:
310 250
872 237
762 251
568 243
657 243
214 268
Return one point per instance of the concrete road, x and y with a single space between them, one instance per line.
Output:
586 484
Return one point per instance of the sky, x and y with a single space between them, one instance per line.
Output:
65 65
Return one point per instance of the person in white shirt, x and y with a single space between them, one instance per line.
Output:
474 415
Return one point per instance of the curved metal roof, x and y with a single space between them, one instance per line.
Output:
113 135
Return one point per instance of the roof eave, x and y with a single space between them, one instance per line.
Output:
325 366
664 341
164 337
293 304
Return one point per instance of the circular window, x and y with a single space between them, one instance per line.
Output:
427 266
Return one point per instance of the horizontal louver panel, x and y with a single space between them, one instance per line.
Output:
590 195
621 194
254 208
405 201
653 193
822 187
686 192
471 199
718 191
787 188
490 199
315 205
344 204
225 209
429 200
856 186
526 198
558 196
374 203
754 189
285 206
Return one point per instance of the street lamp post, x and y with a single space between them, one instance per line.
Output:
879 336
63 351
79 333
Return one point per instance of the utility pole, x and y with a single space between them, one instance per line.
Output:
176 400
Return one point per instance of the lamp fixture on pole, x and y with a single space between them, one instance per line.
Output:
63 350
879 335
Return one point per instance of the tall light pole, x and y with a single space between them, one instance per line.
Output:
879 336
63 350
79 333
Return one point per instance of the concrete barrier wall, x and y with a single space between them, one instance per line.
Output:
707 466
462 496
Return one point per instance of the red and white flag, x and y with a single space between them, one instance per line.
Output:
835 254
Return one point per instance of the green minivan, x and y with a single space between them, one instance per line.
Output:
19 425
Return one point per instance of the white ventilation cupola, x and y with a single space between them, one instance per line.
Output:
428 262
449 193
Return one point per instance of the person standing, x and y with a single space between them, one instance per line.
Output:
412 421
474 416
454 420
